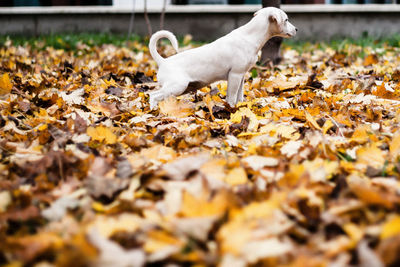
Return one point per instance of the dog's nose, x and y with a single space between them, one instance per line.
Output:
296 29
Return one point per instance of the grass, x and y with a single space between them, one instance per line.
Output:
70 41
340 44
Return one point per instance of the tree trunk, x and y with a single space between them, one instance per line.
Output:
271 50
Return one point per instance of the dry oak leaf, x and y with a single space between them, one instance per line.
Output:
5 84
102 133
174 108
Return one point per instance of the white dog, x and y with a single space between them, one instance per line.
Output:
227 58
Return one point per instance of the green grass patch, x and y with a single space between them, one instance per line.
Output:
71 41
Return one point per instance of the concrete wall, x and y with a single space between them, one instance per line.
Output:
316 22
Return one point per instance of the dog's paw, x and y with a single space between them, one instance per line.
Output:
153 103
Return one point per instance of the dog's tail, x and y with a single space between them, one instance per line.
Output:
153 44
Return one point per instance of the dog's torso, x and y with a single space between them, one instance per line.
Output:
211 62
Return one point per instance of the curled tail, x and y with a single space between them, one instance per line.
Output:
153 44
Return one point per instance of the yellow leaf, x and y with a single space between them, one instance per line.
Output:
280 84
14 264
360 134
354 232
276 130
327 125
245 112
369 194
370 60
256 210
202 206
312 121
394 146
42 127
5 84
159 153
107 226
391 228
214 169
236 176
174 108
157 240
101 133
371 156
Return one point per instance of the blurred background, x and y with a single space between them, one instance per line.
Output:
155 3
204 20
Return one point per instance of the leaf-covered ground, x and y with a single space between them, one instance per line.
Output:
304 173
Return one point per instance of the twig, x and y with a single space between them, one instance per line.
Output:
163 15
131 22
146 17
337 125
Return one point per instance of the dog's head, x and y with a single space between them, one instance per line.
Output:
279 24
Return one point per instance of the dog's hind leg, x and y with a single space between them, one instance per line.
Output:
234 84
167 90
155 97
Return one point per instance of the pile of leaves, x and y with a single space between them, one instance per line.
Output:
304 173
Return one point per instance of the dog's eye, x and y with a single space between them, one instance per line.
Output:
286 20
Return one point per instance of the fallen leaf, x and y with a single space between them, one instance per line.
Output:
391 227
101 133
112 254
291 148
5 84
174 108
76 97
236 176
258 162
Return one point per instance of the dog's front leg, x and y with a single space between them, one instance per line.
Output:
234 86
240 96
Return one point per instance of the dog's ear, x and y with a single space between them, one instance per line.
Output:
273 18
